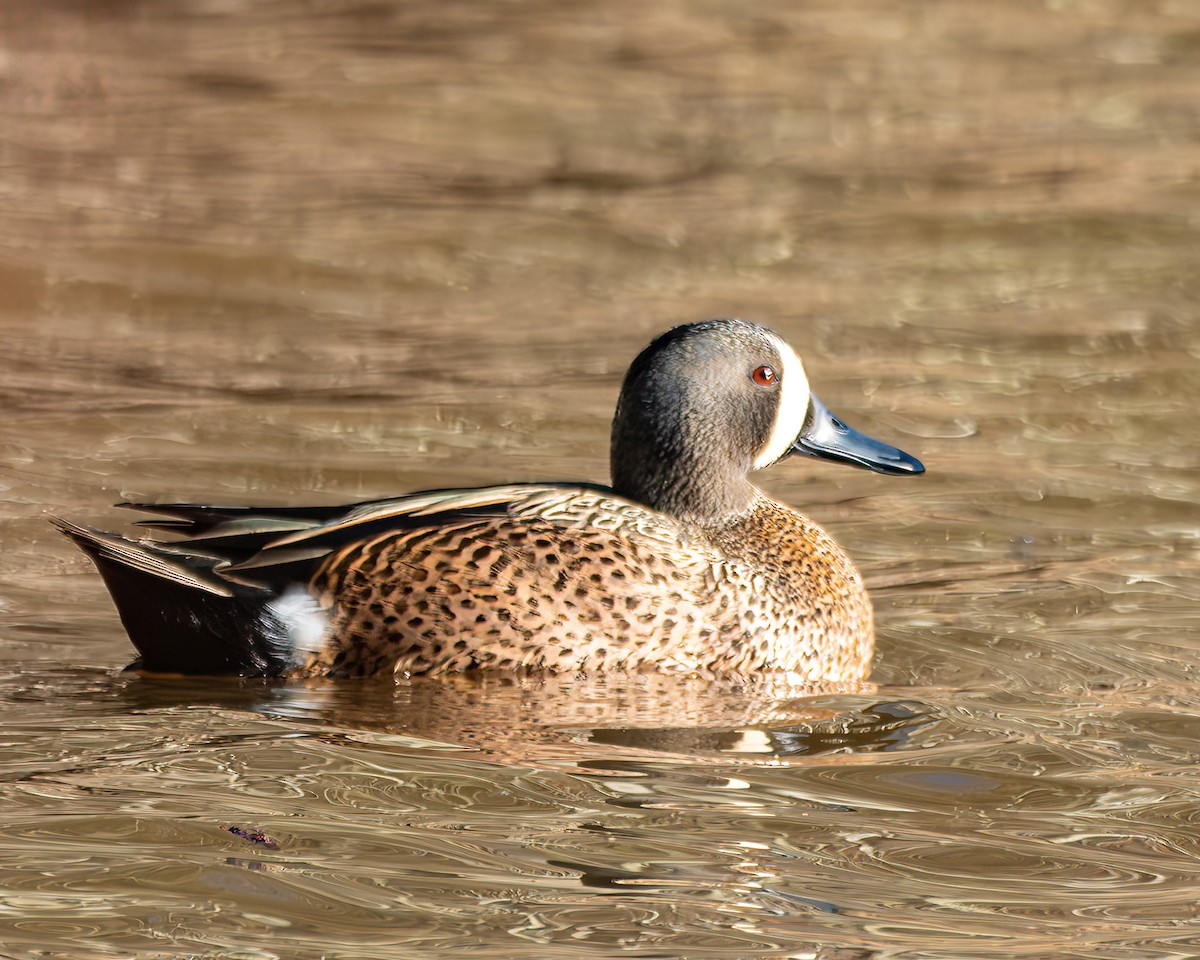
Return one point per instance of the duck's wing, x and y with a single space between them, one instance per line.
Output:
210 601
198 518
274 546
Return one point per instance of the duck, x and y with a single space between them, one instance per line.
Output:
681 563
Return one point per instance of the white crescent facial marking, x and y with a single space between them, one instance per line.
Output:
793 406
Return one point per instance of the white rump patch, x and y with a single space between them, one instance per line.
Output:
303 620
794 395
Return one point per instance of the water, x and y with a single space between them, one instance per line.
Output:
323 252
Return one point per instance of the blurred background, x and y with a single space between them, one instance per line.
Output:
288 252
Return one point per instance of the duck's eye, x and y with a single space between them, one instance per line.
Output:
764 376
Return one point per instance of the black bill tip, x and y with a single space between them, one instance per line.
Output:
827 438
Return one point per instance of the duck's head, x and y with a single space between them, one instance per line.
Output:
706 403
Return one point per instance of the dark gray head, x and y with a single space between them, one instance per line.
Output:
706 403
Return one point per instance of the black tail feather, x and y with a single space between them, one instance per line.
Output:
181 616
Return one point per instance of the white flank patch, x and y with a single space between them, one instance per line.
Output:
303 620
793 406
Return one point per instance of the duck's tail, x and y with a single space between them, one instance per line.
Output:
182 615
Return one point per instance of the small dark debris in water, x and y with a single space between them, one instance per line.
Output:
253 836
256 865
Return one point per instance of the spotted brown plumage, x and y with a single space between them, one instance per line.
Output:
682 564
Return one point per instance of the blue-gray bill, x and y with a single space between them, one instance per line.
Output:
825 436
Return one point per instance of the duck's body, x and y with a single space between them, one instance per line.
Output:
682 564
575 579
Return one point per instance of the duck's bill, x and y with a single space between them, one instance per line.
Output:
825 436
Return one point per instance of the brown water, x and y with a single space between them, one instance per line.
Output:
331 250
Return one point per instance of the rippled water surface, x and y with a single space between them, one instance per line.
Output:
323 251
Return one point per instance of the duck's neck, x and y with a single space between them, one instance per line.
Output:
709 490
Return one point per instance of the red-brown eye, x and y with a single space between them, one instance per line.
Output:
764 376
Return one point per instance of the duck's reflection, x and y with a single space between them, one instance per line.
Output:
583 721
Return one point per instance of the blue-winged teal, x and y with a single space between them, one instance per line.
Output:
682 564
